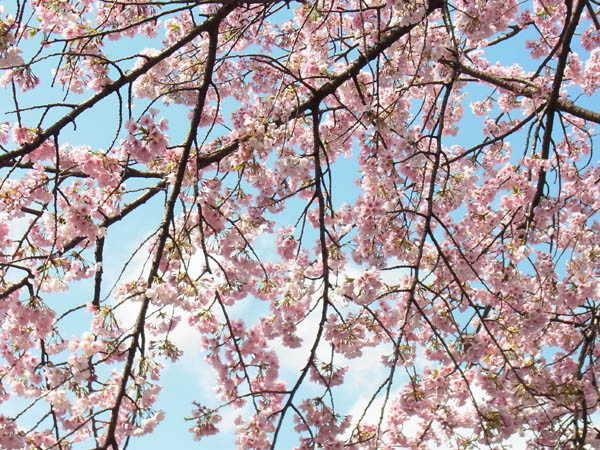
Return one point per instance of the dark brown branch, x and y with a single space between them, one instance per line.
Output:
16 286
552 104
526 90
212 27
324 250
354 69
99 270
318 95
7 158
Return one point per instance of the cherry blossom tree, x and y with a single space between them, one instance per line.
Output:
406 189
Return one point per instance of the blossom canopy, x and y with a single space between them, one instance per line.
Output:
376 221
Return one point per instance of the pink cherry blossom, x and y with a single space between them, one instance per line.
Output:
375 223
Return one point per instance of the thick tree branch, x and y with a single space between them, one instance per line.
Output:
524 89
8 159
552 104
213 32
319 94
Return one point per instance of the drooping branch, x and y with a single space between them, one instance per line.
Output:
552 104
359 63
9 158
213 32
324 254
319 94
